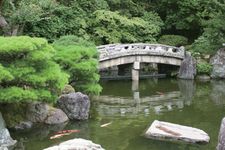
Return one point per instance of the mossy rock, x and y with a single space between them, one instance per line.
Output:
13 113
68 89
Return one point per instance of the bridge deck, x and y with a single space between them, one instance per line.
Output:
113 51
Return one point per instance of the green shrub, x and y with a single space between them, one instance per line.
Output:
204 68
79 58
27 71
111 27
202 45
173 40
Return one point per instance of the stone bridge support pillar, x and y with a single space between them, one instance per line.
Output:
136 95
135 71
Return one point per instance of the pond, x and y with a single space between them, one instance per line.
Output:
131 107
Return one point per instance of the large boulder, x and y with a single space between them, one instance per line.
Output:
56 116
14 115
43 113
218 63
37 112
188 67
5 138
75 105
76 144
221 141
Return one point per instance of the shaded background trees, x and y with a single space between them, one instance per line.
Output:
110 21
199 24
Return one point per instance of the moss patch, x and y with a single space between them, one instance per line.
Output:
13 113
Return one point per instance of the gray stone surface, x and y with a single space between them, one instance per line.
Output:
135 71
76 144
43 113
116 50
2 122
75 105
221 138
188 67
56 116
24 125
166 131
145 58
5 138
37 112
118 54
3 148
218 63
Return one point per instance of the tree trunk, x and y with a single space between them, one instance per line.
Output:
15 30
3 23
5 26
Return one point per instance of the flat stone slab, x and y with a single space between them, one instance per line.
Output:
166 131
76 144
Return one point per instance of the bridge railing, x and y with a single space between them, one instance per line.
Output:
117 50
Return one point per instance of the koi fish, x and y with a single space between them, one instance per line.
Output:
104 125
62 133
68 131
58 136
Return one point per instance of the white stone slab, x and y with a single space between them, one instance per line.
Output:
174 132
76 144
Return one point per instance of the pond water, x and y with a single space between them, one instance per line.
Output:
132 107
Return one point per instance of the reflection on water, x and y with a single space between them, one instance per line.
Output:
157 101
218 92
36 134
132 107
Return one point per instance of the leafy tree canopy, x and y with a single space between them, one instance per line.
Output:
79 58
111 27
110 21
27 71
213 36
188 14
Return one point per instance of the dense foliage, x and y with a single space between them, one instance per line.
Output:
86 19
111 27
204 68
79 58
27 71
212 37
112 21
173 40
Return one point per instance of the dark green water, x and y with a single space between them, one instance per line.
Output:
132 108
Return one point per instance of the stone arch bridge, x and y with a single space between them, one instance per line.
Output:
119 54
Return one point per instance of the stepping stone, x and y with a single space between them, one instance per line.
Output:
166 131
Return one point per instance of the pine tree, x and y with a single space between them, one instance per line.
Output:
27 71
